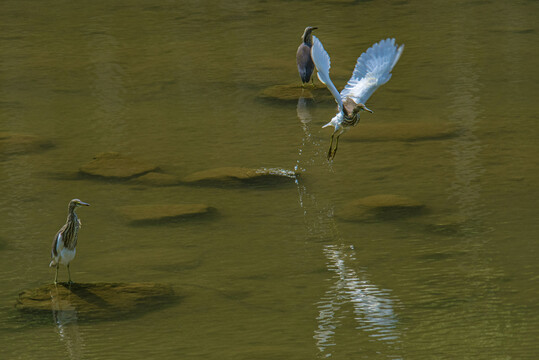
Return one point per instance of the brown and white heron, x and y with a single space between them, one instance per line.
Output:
303 56
65 241
373 69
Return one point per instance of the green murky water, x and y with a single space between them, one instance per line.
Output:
276 275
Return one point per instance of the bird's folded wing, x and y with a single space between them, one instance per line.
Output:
57 244
321 61
373 69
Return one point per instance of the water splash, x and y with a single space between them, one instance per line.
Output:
373 308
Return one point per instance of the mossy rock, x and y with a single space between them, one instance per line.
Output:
113 165
17 144
151 214
401 131
95 301
234 176
381 207
446 224
292 92
157 179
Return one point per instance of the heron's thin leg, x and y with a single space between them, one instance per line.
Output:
56 277
69 273
336 145
331 146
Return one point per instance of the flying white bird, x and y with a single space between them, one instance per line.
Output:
373 69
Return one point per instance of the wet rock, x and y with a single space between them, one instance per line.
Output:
95 301
114 165
403 131
239 176
16 144
157 179
451 224
292 92
381 207
148 214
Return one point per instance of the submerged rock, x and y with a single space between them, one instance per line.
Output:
95 301
148 214
16 144
239 176
403 131
448 224
293 92
157 179
116 166
381 207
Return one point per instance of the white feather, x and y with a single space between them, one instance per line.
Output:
59 244
373 69
67 255
322 62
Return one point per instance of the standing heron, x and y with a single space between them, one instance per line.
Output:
303 56
65 241
373 69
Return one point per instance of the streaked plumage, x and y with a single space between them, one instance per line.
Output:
65 242
373 69
303 56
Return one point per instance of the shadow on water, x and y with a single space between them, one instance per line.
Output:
372 307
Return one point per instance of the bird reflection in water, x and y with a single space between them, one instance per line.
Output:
65 319
373 308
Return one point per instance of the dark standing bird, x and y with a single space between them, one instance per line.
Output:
65 241
373 69
303 56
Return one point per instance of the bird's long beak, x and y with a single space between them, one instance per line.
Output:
83 203
367 109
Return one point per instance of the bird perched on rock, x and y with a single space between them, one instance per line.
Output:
303 56
65 241
373 69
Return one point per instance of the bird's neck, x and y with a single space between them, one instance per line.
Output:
72 215
308 39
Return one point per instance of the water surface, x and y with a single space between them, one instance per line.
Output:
276 274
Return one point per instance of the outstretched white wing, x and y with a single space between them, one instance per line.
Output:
321 61
373 69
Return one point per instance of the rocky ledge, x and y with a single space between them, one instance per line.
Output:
401 131
95 301
292 92
240 176
381 207
113 165
152 214
18 144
